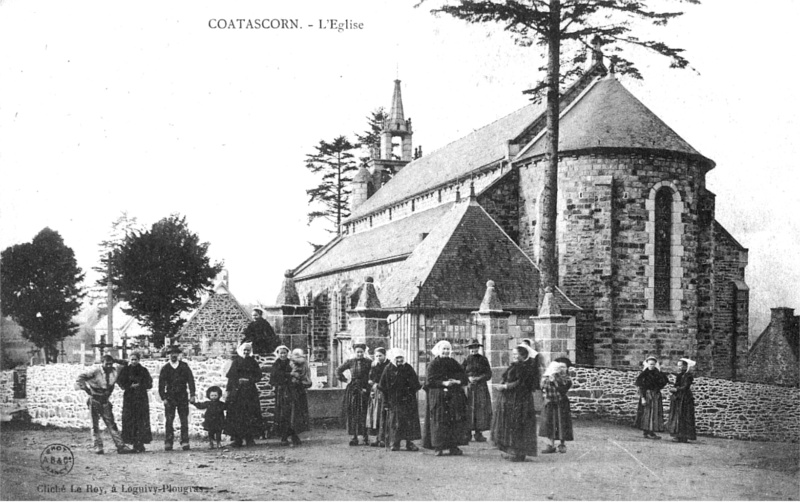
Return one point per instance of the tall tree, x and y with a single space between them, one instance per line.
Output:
335 162
568 29
370 140
123 226
40 289
162 273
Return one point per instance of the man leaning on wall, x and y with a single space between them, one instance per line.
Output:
99 382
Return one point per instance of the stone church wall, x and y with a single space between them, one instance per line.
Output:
731 305
604 230
53 400
727 409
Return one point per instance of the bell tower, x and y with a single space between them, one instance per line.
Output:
388 162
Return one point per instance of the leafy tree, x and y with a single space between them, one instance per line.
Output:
568 29
162 273
335 162
370 139
40 290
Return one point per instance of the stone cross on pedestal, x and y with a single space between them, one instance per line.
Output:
83 353
124 349
33 353
102 346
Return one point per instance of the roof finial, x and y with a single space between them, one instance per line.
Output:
597 51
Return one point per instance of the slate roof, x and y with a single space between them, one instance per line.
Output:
452 265
457 159
393 240
609 116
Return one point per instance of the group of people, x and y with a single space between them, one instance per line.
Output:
381 401
650 411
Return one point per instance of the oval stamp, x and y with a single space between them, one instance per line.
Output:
57 459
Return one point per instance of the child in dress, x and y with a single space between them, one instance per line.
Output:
556 417
214 418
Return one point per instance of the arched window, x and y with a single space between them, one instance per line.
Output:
662 251
664 293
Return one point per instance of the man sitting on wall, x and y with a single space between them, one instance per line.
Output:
99 382
173 381
260 333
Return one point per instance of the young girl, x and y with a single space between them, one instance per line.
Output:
356 396
214 418
376 414
681 405
650 412
556 419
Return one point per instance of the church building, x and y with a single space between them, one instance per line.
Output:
643 266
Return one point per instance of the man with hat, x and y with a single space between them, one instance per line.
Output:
176 389
479 404
260 333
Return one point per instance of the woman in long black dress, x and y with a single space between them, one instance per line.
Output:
514 425
244 410
376 412
650 412
681 424
291 402
356 394
479 401
135 380
446 425
399 384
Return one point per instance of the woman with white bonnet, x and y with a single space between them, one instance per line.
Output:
556 417
514 424
681 425
244 420
650 412
290 378
399 384
446 425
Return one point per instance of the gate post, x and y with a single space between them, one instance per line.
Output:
367 323
496 339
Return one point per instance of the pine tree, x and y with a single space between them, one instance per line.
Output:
370 140
335 162
40 290
161 273
569 29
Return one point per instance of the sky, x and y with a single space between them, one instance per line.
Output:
143 107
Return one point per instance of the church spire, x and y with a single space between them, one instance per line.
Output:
396 121
396 125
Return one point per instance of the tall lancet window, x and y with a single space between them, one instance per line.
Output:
664 271
663 241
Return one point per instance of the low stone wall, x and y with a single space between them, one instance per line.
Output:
724 408
53 400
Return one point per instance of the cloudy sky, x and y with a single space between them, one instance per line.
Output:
142 107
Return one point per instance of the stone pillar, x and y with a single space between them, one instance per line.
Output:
551 330
496 340
386 145
407 154
366 322
289 319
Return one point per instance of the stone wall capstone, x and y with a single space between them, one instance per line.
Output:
724 408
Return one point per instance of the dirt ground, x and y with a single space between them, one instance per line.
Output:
607 462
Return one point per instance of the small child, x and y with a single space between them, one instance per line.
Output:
214 418
556 417
301 374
